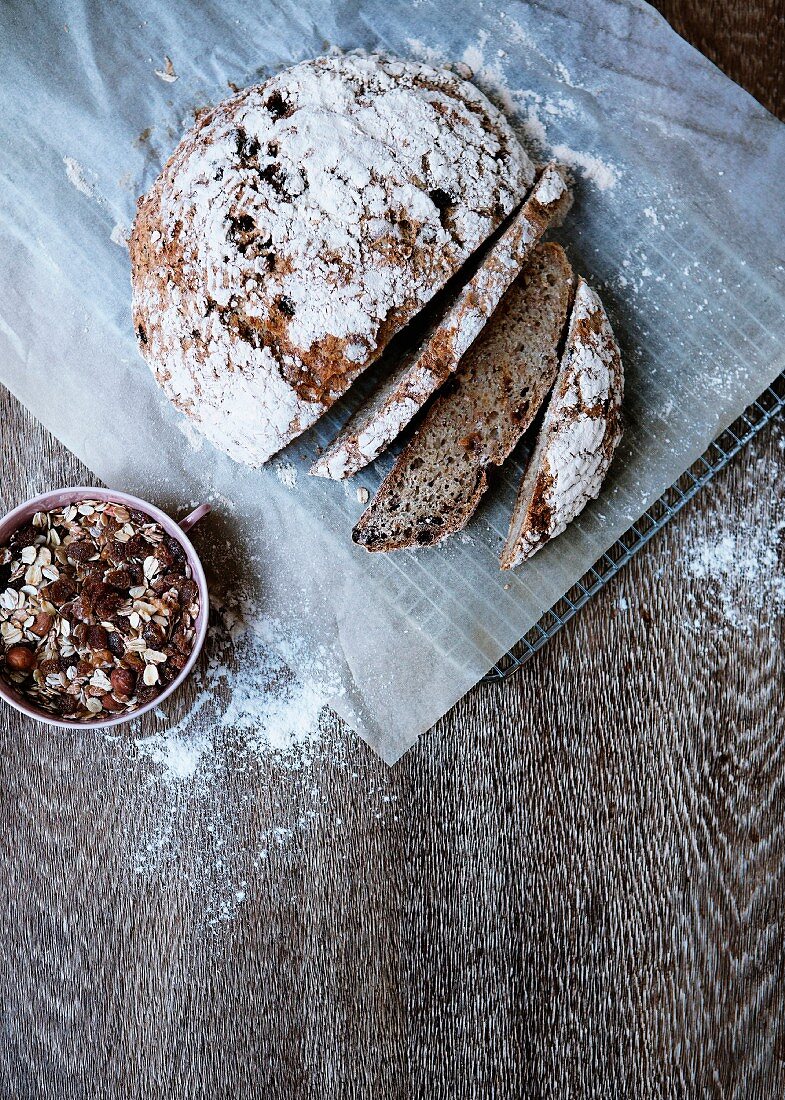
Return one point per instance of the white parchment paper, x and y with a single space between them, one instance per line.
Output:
679 222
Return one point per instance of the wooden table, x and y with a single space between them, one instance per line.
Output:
572 887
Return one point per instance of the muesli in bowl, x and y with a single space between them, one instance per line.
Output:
101 609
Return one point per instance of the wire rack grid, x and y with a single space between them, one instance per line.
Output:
769 405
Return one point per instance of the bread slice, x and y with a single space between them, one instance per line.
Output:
441 474
579 435
420 373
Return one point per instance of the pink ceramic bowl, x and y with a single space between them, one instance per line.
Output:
61 498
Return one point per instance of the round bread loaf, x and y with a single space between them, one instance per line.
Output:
299 225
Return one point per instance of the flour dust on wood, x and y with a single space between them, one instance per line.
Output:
240 775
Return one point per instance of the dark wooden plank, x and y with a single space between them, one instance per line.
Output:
572 887
745 39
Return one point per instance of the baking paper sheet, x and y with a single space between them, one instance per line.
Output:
678 221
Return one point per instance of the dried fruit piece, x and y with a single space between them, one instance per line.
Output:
97 637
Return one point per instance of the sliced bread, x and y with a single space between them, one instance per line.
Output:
477 420
579 435
420 373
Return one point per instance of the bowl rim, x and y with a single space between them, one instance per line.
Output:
55 498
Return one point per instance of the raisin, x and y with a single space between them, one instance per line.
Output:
59 592
117 552
25 536
97 637
175 549
167 673
81 551
153 635
137 547
107 605
81 609
164 555
119 578
93 588
189 590
115 644
177 661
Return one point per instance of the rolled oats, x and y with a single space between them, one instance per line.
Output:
97 610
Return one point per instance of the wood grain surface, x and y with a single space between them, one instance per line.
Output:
572 887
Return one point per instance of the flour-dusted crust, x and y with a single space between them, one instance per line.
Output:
478 418
299 225
423 370
580 433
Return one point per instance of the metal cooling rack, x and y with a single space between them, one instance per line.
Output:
769 405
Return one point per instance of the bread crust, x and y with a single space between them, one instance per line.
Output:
299 225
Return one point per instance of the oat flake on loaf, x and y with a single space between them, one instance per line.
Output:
299 225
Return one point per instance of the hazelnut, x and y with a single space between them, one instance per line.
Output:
123 681
20 658
43 624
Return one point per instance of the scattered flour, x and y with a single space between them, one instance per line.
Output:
528 107
178 756
741 572
235 781
286 472
601 173
191 433
120 234
78 176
